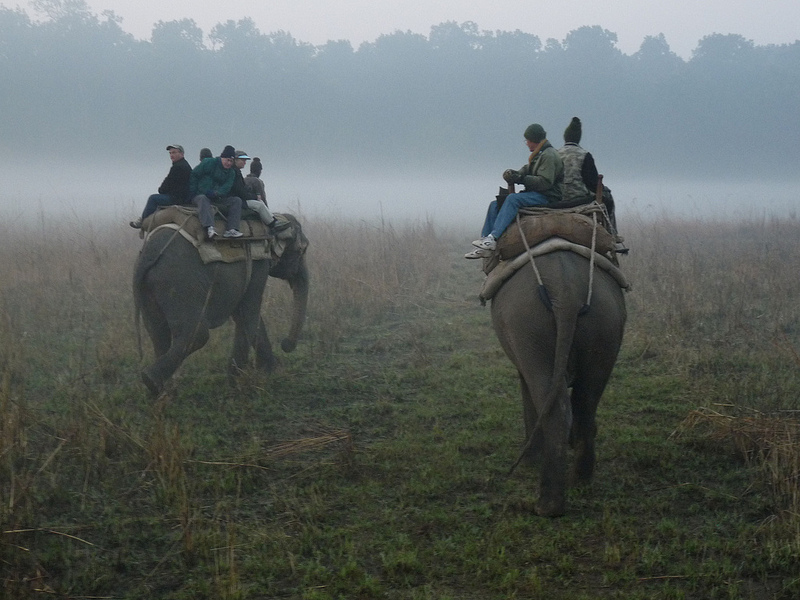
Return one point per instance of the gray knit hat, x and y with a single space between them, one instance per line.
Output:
573 131
535 133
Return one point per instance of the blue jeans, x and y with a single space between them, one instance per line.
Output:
154 201
497 221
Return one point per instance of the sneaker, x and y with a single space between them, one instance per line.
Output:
137 224
232 233
211 233
486 243
478 253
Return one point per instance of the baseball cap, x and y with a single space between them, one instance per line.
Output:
177 147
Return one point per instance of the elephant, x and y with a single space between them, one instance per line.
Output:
558 341
180 298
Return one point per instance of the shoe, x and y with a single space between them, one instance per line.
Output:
137 224
232 233
478 253
486 243
211 233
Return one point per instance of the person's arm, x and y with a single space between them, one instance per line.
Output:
544 177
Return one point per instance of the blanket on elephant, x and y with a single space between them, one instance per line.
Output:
571 226
507 268
258 242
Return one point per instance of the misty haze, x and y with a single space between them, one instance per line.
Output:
406 127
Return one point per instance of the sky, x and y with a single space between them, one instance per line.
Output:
683 22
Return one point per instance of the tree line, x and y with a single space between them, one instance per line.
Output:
456 98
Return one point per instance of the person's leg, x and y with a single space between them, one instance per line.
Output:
153 202
510 208
205 214
233 204
263 212
491 217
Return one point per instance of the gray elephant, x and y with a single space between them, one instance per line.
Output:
568 344
180 298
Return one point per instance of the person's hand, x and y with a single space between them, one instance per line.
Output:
511 176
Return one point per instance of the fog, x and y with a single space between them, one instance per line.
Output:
117 193
408 127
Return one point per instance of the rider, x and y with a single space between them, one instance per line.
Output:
542 177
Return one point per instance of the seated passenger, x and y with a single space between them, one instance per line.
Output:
542 177
580 172
211 182
251 198
173 190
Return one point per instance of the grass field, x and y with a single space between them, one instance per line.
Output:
374 463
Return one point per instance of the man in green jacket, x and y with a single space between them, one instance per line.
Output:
211 182
542 177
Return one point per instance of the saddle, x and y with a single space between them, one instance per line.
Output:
257 243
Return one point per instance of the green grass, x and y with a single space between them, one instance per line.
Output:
374 463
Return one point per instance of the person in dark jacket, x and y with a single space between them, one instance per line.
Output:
252 198
173 190
542 176
211 182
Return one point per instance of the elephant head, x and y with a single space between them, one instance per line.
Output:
291 267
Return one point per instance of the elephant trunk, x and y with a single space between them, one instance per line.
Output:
299 285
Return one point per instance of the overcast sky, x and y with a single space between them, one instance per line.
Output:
683 22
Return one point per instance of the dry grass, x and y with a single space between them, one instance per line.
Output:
712 305
769 442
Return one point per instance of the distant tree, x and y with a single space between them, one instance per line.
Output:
182 37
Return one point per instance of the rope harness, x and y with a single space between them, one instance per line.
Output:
592 209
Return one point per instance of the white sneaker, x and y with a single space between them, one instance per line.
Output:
211 233
478 253
137 224
486 243
232 233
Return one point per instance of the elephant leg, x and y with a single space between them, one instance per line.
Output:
555 432
251 332
534 441
585 399
184 342
265 359
551 439
157 328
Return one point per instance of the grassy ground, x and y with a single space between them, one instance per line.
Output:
374 463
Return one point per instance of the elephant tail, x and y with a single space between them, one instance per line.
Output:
148 256
566 324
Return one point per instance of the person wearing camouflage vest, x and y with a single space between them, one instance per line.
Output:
580 172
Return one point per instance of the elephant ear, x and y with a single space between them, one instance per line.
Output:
290 230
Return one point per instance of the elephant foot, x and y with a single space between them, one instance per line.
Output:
267 364
550 507
153 386
288 345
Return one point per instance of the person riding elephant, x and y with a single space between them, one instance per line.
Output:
173 190
580 172
542 176
210 183
250 197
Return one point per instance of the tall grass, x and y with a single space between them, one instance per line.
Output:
370 464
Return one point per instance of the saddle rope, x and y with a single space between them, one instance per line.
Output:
543 294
